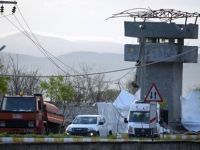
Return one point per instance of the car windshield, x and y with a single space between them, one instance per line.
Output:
85 120
139 117
18 104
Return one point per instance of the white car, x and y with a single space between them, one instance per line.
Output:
88 125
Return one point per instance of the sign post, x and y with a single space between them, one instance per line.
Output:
153 96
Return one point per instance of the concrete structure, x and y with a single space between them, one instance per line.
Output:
162 45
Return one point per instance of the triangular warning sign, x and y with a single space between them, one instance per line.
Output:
153 95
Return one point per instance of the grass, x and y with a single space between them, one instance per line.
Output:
33 135
95 138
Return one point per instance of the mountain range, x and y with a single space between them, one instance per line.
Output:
21 44
97 56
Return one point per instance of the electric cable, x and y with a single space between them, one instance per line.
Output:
43 47
89 74
35 44
130 68
36 39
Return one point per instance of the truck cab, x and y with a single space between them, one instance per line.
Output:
139 120
25 114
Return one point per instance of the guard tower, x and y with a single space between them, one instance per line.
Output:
161 52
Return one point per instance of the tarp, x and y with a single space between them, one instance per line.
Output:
123 101
113 118
115 112
190 111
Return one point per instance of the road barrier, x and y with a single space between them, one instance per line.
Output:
8 140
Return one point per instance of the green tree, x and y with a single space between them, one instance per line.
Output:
58 90
3 82
3 85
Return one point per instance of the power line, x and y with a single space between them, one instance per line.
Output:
105 72
39 46
130 68
165 59
47 52
26 34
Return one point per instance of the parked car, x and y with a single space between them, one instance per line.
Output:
89 125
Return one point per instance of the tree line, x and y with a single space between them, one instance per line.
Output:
59 89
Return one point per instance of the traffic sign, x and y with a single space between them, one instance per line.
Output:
153 95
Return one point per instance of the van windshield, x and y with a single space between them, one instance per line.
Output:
85 120
18 104
136 116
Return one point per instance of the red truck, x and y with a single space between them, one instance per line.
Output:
29 114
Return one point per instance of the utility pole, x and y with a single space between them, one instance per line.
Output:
142 67
2 11
7 3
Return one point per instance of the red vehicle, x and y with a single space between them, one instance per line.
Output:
29 114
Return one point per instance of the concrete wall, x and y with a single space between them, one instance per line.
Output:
161 52
168 79
161 30
167 75
106 146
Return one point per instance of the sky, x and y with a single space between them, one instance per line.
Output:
76 20
85 19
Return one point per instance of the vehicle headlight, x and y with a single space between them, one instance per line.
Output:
2 123
91 134
31 124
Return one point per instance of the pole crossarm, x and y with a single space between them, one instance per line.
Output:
8 2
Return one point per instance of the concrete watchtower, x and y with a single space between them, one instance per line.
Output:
161 53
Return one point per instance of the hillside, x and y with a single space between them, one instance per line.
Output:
20 44
98 56
96 62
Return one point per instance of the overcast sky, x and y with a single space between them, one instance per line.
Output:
85 19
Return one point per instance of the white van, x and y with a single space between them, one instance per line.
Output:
139 120
89 125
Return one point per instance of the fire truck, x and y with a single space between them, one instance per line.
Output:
29 114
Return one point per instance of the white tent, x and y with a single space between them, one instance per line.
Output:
190 111
116 112
123 102
113 117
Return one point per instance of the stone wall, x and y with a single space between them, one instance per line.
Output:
73 110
